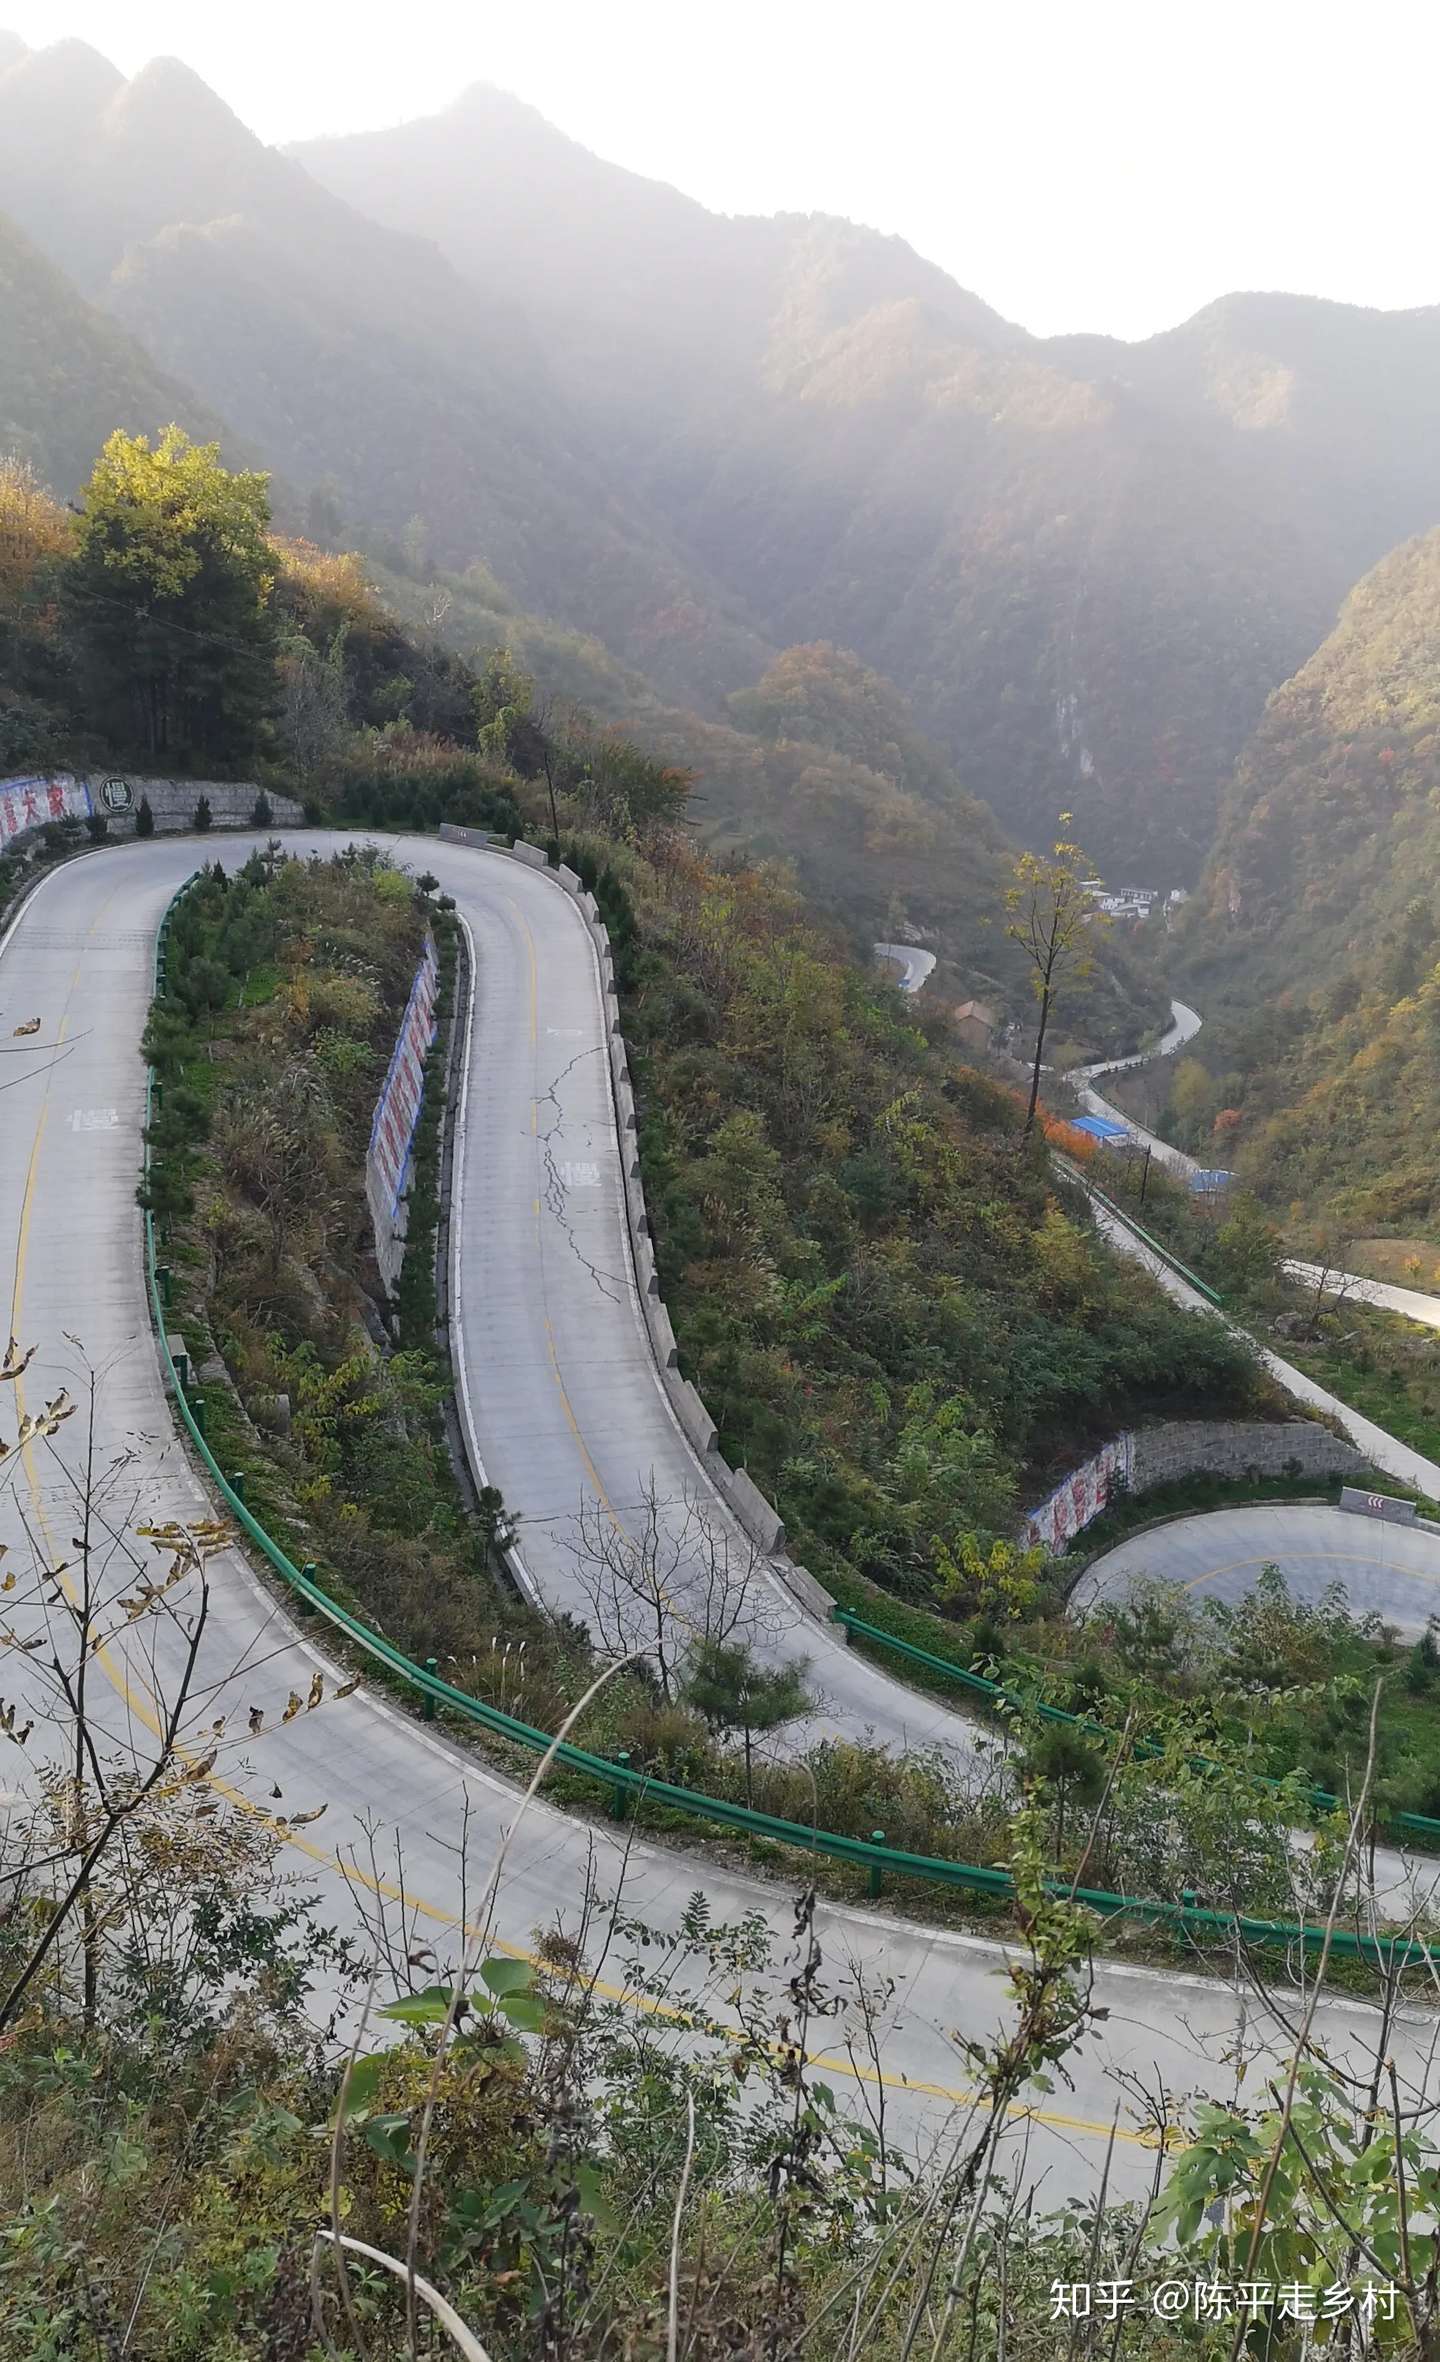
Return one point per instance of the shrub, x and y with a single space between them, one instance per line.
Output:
204 817
261 815
144 819
97 827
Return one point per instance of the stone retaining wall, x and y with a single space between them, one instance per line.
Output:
1239 1447
390 1155
66 794
1144 1457
173 801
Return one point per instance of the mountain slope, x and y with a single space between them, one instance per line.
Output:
309 318
1086 563
703 440
1322 914
347 353
669 301
69 375
820 765
1338 398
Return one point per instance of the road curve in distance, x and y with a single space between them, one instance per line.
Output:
915 963
1383 1450
1413 1303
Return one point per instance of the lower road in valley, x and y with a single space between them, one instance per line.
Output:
1391 1571
565 1406
912 960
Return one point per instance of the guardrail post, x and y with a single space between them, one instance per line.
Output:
432 1665
197 1413
618 1800
877 1837
308 1574
165 1280
236 1482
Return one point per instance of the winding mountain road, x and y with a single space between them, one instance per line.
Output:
1411 1303
561 1400
913 961
1184 1024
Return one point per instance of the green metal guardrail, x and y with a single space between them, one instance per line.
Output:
1157 1246
624 1781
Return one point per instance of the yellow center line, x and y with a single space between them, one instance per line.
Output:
142 1704
1236 1566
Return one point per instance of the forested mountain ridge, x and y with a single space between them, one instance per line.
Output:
1340 397
886 855
1321 915
818 764
1086 563
702 440
69 375
346 354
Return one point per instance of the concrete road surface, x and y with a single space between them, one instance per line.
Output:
1381 1449
1184 1025
1411 1302
558 1379
914 964
411 1824
1392 1571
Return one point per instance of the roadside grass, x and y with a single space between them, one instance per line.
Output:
1402 1262
1382 1365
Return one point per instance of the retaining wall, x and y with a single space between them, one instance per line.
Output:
27 803
1240 1447
1144 1457
755 1516
389 1156
1141 1458
173 801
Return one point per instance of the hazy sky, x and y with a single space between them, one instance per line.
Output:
1103 164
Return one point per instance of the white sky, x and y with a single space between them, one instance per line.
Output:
1106 164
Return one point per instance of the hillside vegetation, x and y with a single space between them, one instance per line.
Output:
356 361
69 375
165 621
888 1311
1318 941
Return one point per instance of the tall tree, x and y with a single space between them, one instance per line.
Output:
1052 919
169 596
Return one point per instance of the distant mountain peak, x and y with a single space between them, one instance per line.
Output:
69 72
492 98
169 97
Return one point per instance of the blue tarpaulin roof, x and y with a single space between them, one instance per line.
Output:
1210 1178
1100 1128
